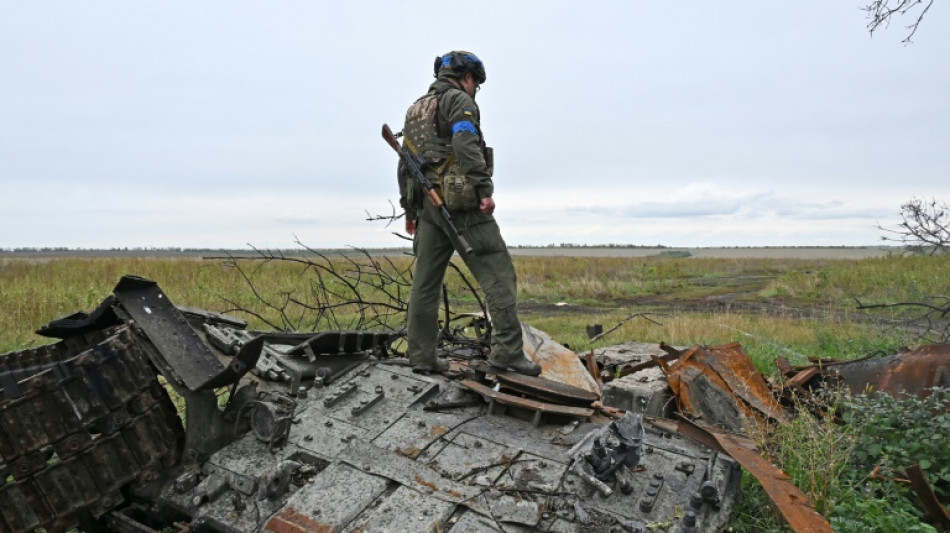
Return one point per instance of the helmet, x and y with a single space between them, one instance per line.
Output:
457 63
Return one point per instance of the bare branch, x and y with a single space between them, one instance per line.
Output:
645 316
924 226
347 291
927 319
880 12
390 218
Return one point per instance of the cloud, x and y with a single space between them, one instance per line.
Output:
709 200
255 122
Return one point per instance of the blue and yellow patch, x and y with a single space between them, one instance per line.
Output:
464 126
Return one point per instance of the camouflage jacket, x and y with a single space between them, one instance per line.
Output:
459 120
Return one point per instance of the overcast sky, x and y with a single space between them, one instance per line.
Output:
691 123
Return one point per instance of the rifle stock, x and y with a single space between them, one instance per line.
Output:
427 187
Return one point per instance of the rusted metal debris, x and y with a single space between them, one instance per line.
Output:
914 372
928 500
670 355
720 386
558 363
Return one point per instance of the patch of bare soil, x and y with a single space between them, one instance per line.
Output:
732 294
736 303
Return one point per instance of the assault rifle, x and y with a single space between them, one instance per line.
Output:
415 168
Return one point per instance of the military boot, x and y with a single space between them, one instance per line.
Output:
521 365
438 365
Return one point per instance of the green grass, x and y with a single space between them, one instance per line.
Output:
891 278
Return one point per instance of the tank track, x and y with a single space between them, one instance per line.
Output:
80 420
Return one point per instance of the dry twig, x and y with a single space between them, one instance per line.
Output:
880 12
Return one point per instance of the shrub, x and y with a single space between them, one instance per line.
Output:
901 431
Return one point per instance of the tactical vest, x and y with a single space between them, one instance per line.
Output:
421 132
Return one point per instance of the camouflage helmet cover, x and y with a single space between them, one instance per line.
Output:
457 63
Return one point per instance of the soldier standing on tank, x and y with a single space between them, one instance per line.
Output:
443 127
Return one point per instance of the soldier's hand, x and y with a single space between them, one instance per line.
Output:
487 206
411 227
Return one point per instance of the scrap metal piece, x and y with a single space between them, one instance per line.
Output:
792 502
287 356
928 500
329 354
912 372
592 366
670 355
543 388
80 322
201 317
584 470
798 380
558 363
177 347
720 385
783 366
413 474
536 406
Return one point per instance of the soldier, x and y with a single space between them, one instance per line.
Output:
443 127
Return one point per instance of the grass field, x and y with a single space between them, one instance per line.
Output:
775 306
802 305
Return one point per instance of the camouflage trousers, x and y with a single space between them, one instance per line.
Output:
490 264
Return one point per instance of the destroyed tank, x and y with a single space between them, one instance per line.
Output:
300 432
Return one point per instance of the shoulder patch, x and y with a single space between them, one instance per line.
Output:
464 126
467 111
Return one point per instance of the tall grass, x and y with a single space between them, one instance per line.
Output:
890 278
35 291
764 338
587 278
